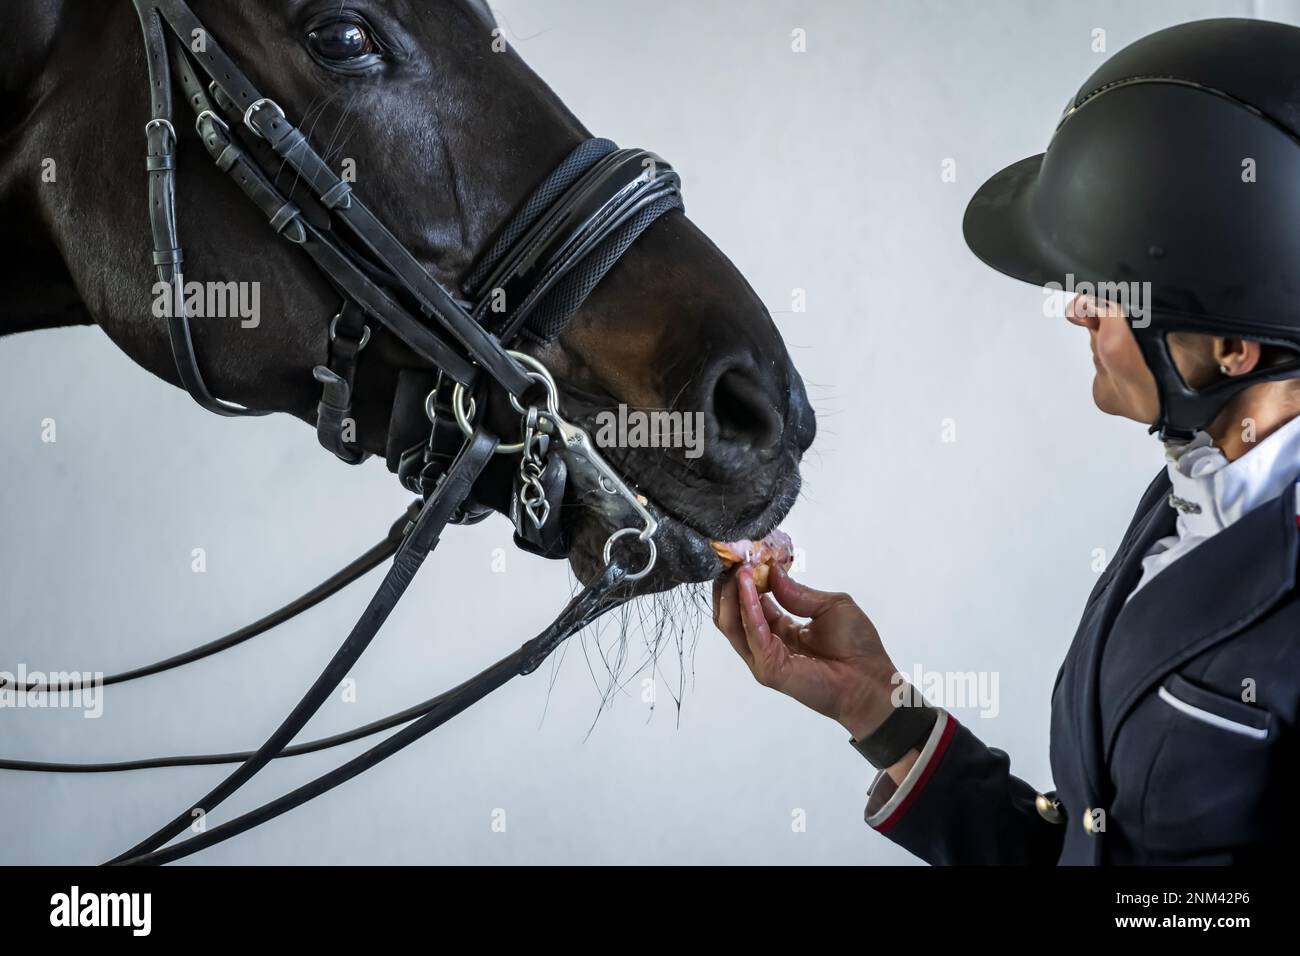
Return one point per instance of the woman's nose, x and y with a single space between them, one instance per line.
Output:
1082 311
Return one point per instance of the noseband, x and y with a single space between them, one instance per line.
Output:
543 265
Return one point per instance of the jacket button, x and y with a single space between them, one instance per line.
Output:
1049 809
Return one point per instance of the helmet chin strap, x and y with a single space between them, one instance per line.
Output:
1185 410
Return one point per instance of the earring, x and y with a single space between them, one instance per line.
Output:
1224 370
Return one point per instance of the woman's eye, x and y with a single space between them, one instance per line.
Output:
341 40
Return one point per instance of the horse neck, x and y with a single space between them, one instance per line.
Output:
40 292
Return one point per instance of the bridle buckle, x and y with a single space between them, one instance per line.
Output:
334 332
165 124
198 122
257 105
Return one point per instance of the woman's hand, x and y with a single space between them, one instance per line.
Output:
834 663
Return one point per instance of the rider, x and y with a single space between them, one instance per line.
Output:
1170 196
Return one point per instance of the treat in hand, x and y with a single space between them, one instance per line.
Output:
776 548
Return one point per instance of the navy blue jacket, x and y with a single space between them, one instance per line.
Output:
1158 753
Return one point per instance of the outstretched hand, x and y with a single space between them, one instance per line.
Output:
833 663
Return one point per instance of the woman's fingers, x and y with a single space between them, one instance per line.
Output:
771 611
781 624
768 655
799 598
726 616
755 626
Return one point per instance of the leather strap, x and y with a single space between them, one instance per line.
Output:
600 207
370 292
422 538
343 267
408 425
162 22
604 198
167 256
336 582
567 247
547 259
349 334
594 600
266 119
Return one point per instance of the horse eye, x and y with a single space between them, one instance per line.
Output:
341 40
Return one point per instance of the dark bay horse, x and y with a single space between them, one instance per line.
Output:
446 133
449 132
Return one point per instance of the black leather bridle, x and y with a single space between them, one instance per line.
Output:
619 193
542 266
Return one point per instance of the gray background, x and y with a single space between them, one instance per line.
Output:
818 171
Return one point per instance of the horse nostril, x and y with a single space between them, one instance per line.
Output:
743 413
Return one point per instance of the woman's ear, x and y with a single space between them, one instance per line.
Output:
1236 356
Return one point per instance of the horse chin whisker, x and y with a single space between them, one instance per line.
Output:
665 621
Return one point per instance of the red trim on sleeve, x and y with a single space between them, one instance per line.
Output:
931 766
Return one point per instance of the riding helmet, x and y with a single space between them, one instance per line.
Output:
1173 178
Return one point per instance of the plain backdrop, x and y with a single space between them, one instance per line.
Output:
819 171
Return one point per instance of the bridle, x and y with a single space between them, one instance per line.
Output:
544 263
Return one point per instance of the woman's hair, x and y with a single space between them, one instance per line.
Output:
1196 353
1273 356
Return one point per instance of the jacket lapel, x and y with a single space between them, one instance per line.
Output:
1205 597
1084 659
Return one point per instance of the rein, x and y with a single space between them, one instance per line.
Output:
541 268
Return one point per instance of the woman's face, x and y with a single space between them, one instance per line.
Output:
1123 384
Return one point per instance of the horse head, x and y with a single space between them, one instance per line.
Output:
445 132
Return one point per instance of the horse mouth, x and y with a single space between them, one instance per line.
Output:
683 539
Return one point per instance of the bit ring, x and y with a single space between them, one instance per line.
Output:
465 411
650 547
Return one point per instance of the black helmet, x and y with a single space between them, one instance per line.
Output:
1173 176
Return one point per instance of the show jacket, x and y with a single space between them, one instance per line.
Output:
1173 733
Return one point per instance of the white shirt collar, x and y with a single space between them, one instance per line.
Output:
1209 492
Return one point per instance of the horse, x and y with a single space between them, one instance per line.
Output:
420 107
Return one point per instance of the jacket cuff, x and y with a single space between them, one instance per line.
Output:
887 803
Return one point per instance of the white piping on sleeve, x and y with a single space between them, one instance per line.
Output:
879 789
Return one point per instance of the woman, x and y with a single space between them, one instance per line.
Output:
1170 197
